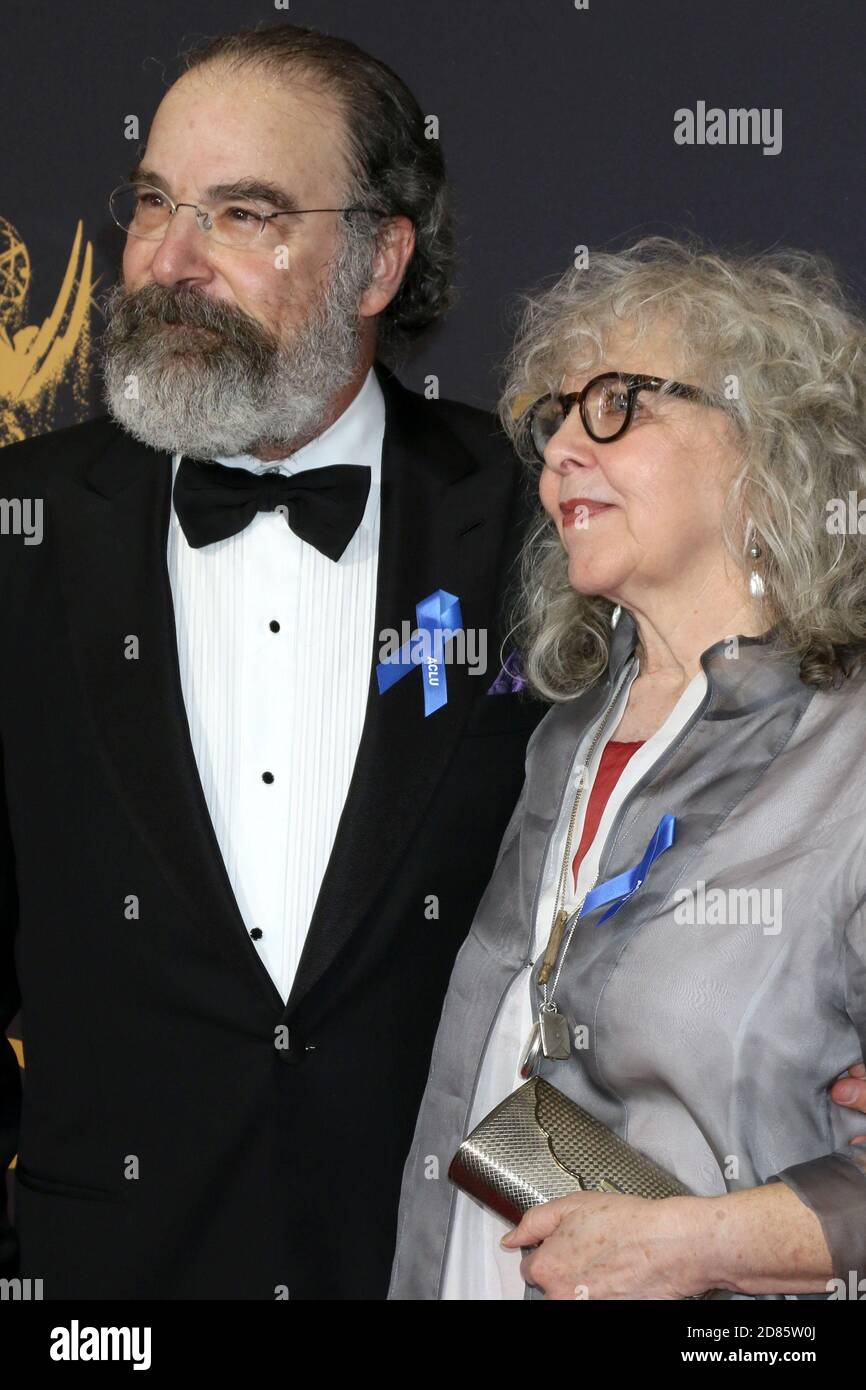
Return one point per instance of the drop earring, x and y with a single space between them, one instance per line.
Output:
615 615
756 581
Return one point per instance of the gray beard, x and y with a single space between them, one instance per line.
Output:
216 395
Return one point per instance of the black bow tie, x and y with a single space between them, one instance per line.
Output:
324 506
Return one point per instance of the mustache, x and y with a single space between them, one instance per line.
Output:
132 314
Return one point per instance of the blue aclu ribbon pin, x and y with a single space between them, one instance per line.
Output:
439 618
618 890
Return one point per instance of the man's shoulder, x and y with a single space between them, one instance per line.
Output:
478 430
60 451
469 419
481 433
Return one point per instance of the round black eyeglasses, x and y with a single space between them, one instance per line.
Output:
606 405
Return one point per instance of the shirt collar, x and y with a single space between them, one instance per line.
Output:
742 672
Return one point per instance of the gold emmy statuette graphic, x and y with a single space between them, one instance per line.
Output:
35 360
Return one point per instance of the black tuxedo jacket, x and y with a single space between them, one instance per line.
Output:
168 1145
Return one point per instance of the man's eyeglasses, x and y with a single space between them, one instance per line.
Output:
606 405
145 211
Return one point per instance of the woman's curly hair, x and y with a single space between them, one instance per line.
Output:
395 169
775 340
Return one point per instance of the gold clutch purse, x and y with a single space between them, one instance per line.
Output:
538 1145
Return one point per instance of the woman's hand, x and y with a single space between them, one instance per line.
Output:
850 1091
599 1245
594 1245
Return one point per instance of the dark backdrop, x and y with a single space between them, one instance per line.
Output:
556 123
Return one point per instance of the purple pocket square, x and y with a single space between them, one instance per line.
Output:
509 681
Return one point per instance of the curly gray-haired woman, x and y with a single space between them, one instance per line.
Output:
694 604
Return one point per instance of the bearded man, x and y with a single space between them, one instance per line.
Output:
238 848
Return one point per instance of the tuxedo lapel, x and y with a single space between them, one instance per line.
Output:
110 521
441 528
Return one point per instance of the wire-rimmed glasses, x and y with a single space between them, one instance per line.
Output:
145 211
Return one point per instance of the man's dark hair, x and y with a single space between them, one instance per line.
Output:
395 169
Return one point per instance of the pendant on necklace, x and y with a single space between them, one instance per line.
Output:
555 1034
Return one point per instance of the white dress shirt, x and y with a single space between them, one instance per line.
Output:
476 1267
275 643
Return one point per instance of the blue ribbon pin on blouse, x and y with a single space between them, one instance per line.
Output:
619 889
439 618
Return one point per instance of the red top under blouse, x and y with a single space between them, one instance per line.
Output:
613 760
